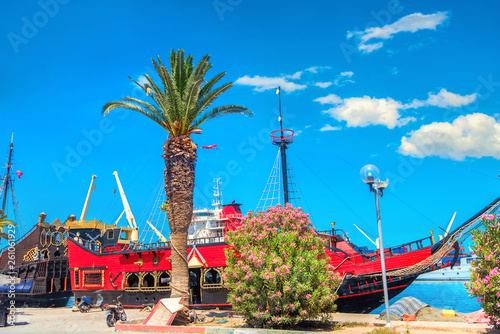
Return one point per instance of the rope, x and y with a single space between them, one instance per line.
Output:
181 255
172 285
185 292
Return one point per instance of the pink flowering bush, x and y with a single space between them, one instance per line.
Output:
277 271
485 277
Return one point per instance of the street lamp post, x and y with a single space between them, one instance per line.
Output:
370 175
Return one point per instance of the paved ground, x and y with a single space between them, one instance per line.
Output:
63 320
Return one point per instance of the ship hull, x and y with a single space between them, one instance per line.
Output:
52 299
368 298
137 276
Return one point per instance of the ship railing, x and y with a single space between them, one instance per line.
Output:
388 252
356 258
19 239
209 240
134 247
215 225
404 248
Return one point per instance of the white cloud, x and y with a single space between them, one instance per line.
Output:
316 69
142 80
264 83
295 76
364 111
410 23
444 99
343 78
476 135
328 127
347 74
329 99
323 84
368 48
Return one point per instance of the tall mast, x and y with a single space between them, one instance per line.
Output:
285 138
7 176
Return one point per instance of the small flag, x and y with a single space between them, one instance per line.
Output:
278 90
19 173
211 147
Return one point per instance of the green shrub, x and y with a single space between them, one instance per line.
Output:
485 276
277 271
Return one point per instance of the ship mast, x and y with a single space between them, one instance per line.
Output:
280 188
7 176
282 138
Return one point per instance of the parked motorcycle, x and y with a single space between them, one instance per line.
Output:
86 303
115 313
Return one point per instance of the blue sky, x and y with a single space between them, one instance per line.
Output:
411 86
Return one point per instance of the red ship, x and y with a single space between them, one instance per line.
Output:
141 272
117 264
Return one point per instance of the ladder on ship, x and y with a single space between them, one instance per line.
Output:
273 191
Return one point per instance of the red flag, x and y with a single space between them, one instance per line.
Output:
19 173
211 147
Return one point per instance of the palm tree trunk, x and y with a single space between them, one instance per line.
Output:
180 160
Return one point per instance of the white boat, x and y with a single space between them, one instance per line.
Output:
459 272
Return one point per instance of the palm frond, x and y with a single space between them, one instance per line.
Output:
220 111
146 105
207 87
191 95
213 95
131 106
172 95
146 88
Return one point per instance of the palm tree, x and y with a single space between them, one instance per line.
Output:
3 224
180 108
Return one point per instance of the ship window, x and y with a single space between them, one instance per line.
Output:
111 234
148 281
57 253
133 281
93 278
43 240
44 255
212 278
57 238
77 277
164 280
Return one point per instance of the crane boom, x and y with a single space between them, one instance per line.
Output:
360 230
128 213
158 233
87 200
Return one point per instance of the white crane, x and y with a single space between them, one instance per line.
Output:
87 200
128 213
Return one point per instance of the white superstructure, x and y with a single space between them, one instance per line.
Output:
457 273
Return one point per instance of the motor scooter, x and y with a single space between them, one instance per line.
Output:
115 313
86 303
